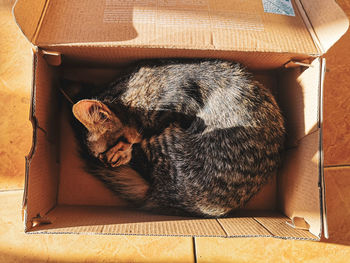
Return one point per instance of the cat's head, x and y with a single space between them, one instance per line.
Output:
104 128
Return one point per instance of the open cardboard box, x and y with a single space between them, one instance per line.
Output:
91 39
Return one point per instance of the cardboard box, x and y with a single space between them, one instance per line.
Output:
90 39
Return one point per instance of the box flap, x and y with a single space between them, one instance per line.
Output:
28 15
200 24
328 21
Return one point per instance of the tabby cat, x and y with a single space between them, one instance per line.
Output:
201 136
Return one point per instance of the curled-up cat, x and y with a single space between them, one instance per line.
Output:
201 136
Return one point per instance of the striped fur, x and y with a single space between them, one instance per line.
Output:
201 136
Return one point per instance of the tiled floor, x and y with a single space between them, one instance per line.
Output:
15 86
15 143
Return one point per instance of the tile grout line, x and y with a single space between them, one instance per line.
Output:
337 166
10 190
194 249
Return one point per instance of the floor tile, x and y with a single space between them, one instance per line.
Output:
15 90
16 246
268 250
338 204
337 100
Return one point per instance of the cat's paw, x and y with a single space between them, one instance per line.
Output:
118 155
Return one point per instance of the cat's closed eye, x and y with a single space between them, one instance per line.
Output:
103 116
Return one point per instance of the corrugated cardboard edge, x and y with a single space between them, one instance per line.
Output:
167 235
260 225
30 155
322 184
164 235
53 47
309 26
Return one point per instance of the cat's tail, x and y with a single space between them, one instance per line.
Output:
123 181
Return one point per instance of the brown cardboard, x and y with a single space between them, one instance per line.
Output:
205 25
29 22
41 174
61 198
299 190
327 20
243 226
202 24
73 179
298 95
302 89
199 28
114 220
111 56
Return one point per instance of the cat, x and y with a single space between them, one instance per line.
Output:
196 137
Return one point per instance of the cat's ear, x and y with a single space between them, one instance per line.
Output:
91 113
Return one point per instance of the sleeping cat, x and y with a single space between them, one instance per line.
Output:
201 136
